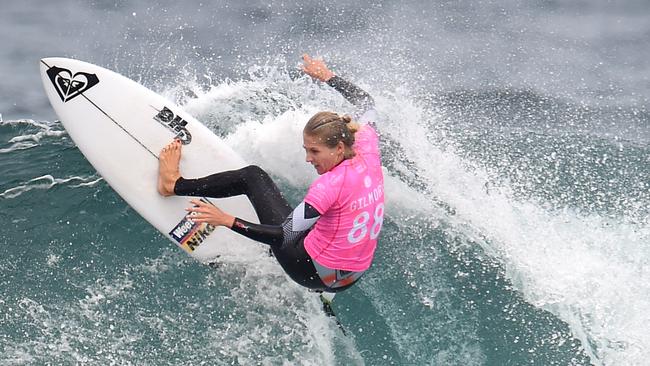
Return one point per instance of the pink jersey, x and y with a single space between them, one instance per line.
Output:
350 199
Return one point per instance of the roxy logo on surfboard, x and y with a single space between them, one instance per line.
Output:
70 85
174 123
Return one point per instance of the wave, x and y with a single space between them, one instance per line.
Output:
47 181
32 132
586 269
232 320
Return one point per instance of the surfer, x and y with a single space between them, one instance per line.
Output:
328 241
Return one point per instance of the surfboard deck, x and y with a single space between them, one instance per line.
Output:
121 126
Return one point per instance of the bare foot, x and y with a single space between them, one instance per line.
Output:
168 172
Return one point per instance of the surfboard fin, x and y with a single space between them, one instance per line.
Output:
326 298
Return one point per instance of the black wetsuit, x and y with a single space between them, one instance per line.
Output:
281 227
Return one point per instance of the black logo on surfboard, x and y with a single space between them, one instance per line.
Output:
174 123
70 85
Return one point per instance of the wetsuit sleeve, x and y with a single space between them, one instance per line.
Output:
297 224
268 234
355 95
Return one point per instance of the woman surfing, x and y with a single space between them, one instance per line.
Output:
328 241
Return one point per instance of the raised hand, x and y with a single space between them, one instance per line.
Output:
316 68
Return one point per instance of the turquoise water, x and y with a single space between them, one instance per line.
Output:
517 206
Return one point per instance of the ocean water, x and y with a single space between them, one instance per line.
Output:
516 141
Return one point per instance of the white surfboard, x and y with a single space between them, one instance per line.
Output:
120 126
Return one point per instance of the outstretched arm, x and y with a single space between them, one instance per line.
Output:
317 69
355 95
298 223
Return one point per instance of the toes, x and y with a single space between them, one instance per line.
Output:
172 147
169 147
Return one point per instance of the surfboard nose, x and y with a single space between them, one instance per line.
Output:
49 60
46 62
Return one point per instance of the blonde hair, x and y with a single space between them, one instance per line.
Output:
332 129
